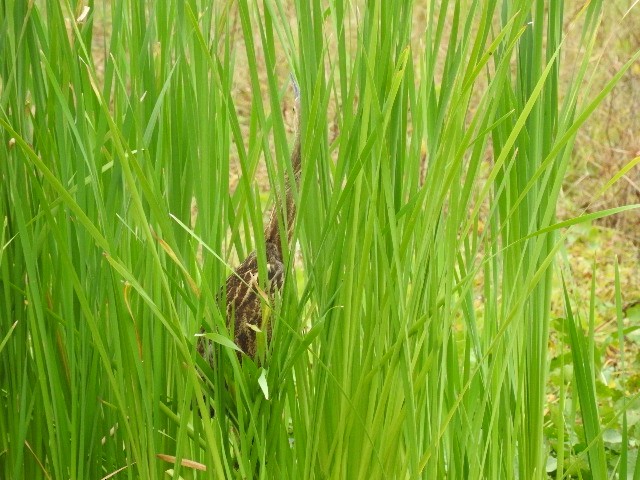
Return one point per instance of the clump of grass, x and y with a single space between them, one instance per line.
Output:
387 357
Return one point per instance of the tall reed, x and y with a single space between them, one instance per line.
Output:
411 337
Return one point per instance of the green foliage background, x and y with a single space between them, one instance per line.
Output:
412 336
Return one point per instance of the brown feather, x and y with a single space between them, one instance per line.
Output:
243 295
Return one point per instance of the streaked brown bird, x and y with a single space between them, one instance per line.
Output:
243 292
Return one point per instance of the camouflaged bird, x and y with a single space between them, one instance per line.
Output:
243 291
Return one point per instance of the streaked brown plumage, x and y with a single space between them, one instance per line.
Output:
243 293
